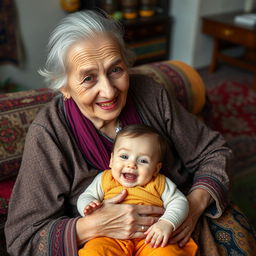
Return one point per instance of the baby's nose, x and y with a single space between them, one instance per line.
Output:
132 165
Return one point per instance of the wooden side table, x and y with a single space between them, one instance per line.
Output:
223 29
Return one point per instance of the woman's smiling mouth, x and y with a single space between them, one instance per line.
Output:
107 105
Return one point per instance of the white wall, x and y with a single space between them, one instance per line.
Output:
36 20
188 44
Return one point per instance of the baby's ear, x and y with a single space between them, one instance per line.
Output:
111 160
158 168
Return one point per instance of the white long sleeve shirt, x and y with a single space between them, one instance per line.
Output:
174 202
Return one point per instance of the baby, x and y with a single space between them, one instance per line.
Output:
135 164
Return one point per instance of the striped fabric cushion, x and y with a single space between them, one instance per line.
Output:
179 79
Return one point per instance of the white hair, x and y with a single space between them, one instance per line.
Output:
72 29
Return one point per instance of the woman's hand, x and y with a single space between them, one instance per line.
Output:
198 200
121 221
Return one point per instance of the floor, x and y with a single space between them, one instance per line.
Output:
223 73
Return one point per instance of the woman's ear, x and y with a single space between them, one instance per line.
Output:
158 168
65 92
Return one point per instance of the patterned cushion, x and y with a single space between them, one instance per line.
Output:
179 79
17 111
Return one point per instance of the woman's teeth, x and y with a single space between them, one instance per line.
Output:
106 104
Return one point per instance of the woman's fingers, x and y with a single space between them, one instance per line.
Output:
147 210
179 234
184 240
135 219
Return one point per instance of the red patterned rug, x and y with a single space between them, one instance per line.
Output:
233 109
232 112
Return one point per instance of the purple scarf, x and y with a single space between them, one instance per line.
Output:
94 146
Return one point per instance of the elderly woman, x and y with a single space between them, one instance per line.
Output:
70 142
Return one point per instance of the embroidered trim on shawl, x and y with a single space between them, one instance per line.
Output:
56 238
213 185
70 240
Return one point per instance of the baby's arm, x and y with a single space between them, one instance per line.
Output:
176 211
91 198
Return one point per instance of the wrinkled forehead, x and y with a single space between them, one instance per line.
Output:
100 47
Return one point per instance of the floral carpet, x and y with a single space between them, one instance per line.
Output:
232 111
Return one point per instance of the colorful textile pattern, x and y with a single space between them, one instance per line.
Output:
233 234
8 40
233 114
233 105
16 114
179 79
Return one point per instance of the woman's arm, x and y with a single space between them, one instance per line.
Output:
199 200
204 155
39 216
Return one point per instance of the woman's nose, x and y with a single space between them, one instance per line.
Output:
107 90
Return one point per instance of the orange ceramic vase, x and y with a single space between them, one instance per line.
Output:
70 5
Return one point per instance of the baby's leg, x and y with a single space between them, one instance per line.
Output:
189 249
105 246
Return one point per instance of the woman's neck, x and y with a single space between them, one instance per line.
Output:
110 128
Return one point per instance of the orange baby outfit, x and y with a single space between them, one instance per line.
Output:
149 194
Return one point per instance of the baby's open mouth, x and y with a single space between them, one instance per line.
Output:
130 177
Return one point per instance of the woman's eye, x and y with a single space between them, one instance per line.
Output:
115 70
123 156
89 79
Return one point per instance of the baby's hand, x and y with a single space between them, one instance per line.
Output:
91 207
159 233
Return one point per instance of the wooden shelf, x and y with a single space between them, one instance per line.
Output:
148 38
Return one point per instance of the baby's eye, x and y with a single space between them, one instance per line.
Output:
143 161
124 156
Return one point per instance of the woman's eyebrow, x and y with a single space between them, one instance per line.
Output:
86 71
115 62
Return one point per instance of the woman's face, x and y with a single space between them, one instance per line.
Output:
97 79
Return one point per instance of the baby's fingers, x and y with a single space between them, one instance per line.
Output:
156 240
165 241
149 236
87 210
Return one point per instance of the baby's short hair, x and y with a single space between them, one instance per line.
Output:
137 130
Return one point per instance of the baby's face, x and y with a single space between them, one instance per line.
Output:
135 161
